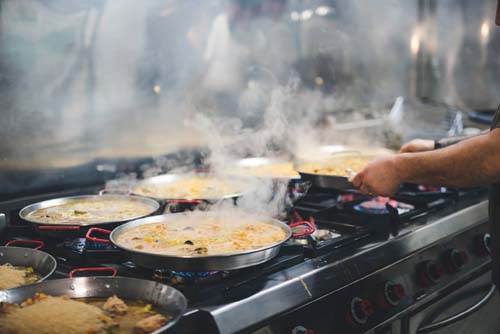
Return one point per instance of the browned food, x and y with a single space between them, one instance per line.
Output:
55 315
115 305
91 210
44 314
12 277
150 324
200 234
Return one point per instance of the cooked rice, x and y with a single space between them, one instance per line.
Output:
198 233
11 277
336 166
91 210
191 188
55 315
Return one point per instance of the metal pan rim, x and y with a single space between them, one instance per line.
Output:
132 224
62 200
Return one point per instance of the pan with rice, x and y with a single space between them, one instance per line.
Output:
97 305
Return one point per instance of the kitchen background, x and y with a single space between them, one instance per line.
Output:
94 89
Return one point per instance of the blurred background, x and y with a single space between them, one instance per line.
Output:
89 89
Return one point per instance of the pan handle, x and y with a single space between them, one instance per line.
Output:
40 243
299 189
113 271
59 228
310 228
115 191
91 230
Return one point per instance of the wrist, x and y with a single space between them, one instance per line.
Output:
399 163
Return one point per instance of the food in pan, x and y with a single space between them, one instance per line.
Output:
44 314
271 169
91 210
195 187
12 277
195 234
336 166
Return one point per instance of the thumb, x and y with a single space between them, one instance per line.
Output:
358 180
406 148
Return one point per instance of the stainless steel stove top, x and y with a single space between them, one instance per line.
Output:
337 283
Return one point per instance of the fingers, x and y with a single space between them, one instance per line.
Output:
417 145
365 190
408 148
357 180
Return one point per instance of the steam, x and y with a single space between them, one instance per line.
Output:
228 140
110 80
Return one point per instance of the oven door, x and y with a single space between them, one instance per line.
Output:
472 308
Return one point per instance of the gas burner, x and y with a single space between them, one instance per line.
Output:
190 274
378 206
434 189
346 198
84 252
82 244
187 277
183 278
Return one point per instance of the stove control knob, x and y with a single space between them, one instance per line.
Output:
483 244
429 273
302 330
455 260
360 310
391 294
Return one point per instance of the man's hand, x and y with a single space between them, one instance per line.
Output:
417 145
380 177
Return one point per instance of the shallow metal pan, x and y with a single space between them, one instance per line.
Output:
297 188
165 298
335 182
43 263
328 181
77 229
200 263
239 167
172 178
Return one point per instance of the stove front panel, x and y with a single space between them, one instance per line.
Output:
375 302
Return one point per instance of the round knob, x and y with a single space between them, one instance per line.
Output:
360 311
429 273
302 330
456 259
483 244
392 294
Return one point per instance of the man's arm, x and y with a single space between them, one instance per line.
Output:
472 162
424 145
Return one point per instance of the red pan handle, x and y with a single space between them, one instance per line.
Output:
115 191
59 228
81 270
310 228
91 230
40 243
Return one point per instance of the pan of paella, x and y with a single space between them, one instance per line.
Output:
202 240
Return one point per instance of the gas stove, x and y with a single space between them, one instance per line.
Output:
370 261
